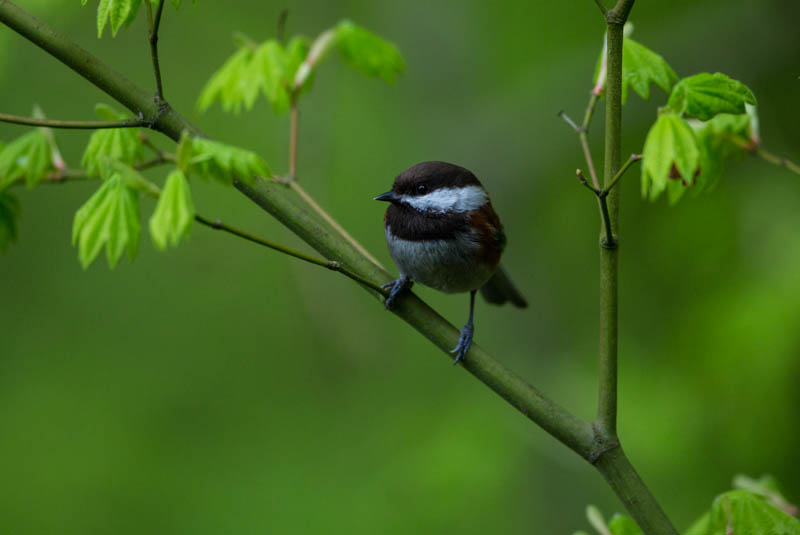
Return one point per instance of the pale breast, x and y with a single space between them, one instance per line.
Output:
448 265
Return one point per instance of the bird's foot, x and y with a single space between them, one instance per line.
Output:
396 287
464 342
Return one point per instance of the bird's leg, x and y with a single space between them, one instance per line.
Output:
397 286
466 333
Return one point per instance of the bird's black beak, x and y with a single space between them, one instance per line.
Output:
389 196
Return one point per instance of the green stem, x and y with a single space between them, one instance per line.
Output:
80 125
611 460
632 159
573 432
152 37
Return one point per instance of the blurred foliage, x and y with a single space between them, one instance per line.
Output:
221 387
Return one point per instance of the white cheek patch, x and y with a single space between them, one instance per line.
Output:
464 199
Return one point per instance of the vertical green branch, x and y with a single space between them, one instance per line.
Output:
611 460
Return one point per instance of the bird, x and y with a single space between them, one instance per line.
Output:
442 232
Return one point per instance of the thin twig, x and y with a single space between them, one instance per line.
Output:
632 159
291 180
82 125
608 241
603 8
281 34
71 175
330 264
332 222
756 150
583 135
154 23
778 160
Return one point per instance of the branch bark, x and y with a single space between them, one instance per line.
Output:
612 462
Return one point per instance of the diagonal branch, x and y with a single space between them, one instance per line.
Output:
79 125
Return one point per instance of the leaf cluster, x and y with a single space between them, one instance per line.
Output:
281 73
119 14
111 216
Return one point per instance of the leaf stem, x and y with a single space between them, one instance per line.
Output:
756 150
330 264
292 182
71 175
611 461
152 37
631 159
75 125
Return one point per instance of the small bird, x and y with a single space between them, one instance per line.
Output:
442 232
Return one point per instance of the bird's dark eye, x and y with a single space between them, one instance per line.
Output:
422 189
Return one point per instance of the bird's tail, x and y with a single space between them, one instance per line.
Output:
499 290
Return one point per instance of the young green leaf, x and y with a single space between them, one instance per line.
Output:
232 84
297 50
741 511
9 215
368 53
118 12
642 67
211 159
670 154
268 70
121 144
174 212
715 141
29 155
705 95
111 218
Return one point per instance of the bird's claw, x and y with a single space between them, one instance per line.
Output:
397 286
464 342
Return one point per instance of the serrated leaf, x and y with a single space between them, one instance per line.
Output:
269 68
29 155
745 513
120 144
670 147
9 216
642 67
118 13
221 162
183 153
715 141
368 53
297 50
111 218
174 212
705 95
230 84
623 525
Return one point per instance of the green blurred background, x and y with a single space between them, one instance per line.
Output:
224 388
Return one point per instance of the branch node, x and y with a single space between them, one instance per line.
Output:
334 265
609 244
603 443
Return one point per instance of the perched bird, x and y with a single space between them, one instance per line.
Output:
442 232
